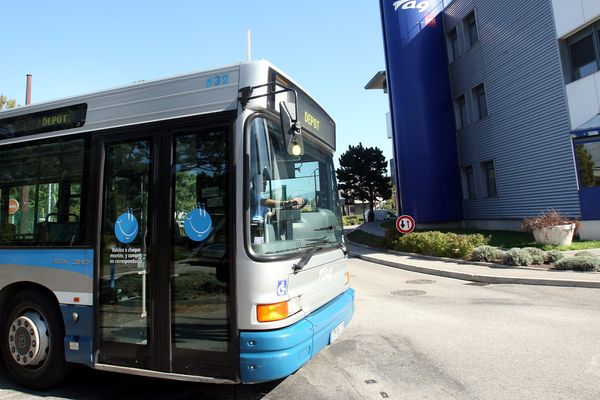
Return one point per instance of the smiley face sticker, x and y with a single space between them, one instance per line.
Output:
198 224
126 227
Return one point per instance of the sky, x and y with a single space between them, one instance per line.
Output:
332 48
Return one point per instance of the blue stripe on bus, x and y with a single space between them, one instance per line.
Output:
72 260
270 355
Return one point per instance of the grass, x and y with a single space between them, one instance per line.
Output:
510 239
576 245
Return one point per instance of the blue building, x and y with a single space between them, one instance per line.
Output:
495 109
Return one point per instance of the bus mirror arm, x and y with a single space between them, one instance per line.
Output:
292 130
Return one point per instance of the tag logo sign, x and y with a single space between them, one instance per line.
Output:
422 6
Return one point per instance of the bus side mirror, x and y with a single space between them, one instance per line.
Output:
292 132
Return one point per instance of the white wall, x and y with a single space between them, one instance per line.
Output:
583 96
589 230
570 15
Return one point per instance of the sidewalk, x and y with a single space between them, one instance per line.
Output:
476 272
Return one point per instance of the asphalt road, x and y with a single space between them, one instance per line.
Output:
416 336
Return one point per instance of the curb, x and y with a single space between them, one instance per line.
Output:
474 277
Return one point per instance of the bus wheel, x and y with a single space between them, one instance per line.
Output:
33 340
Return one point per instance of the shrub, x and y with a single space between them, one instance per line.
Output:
516 257
487 253
352 220
553 256
547 219
438 244
537 256
579 263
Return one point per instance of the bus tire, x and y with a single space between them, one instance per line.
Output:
32 340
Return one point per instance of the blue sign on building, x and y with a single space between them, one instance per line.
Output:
422 110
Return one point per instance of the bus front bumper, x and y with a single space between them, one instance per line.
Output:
270 355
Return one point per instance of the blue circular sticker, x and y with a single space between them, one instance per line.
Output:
126 227
198 224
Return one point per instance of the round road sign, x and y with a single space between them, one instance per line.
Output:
13 206
405 224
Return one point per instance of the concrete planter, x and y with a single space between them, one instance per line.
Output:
559 235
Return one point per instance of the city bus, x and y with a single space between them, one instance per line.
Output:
187 228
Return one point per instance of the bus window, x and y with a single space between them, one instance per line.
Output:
41 193
200 289
125 295
289 227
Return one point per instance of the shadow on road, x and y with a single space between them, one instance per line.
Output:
86 383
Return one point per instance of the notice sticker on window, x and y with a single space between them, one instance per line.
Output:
126 227
198 224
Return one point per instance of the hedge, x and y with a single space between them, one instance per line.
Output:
436 243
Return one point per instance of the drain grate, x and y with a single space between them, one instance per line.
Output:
408 293
421 282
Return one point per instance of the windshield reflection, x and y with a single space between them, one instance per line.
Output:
293 199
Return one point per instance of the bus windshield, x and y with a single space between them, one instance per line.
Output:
294 204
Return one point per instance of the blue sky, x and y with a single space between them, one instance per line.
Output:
330 47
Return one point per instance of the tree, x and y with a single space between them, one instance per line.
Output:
586 165
361 175
6 103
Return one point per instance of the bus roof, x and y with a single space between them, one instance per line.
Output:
192 94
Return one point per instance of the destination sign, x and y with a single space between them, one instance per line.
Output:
43 121
311 116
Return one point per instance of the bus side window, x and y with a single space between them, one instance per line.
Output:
41 197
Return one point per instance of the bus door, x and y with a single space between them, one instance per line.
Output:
164 246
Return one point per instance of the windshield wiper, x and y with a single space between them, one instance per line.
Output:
308 255
325 228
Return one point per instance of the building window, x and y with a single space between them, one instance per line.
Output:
453 45
583 57
461 112
489 173
584 52
587 154
470 24
468 182
480 101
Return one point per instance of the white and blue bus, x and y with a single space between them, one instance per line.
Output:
187 228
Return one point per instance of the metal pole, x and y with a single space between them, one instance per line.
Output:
249 46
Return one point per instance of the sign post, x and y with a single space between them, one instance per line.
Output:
405 224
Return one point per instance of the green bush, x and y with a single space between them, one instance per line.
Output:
516 257
553 256
437 244
487 253
579 263
352 220
537 255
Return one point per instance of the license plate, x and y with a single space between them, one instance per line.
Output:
336 332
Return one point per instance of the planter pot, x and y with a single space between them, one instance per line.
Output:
559 235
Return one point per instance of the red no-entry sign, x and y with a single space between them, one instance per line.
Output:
405 224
